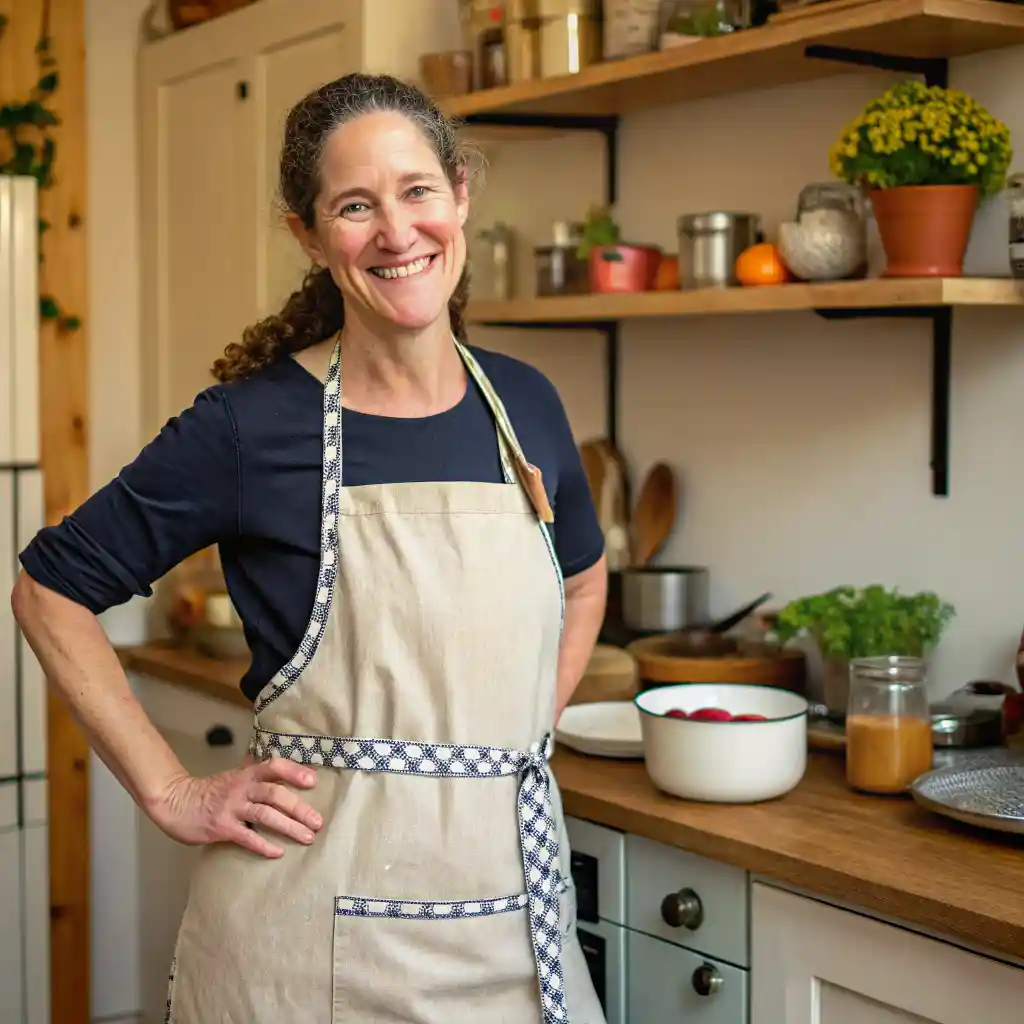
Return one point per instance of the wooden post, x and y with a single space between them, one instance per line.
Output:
64 376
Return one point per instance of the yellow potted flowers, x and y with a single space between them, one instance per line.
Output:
926 157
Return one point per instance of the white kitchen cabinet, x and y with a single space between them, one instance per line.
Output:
12 948
208 736
19 320
8 633
35 849
671 985
29 518
212 102
816 964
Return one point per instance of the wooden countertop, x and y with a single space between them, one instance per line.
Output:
883 854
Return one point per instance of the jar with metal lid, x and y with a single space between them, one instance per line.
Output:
709 244
522 40
888 724
1015 193
559 270
570 35
493 266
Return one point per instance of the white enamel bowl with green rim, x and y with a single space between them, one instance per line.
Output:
731 762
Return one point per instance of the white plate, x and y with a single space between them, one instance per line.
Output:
603 728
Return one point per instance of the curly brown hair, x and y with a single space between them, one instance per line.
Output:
316 311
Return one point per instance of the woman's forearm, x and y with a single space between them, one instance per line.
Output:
81 665
585 596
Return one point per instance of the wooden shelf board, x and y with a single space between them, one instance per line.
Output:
875 293
763 57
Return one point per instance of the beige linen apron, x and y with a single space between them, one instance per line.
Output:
438 890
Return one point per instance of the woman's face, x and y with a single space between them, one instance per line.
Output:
388 222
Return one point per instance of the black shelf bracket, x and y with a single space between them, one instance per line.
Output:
941 318
934 69
608 127
610 330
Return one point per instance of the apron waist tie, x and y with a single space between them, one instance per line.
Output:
538 836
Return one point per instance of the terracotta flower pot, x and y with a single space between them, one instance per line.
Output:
925 228
623 268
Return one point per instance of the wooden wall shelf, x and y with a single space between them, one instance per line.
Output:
763 57
876 294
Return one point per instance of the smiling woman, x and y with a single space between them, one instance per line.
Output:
407 534
375 184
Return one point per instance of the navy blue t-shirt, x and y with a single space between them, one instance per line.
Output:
241 468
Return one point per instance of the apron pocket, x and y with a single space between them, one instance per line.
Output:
433 962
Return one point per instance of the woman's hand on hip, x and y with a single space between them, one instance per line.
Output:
219 808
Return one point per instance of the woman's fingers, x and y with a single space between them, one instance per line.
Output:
287 802
253 841
271 818
280 769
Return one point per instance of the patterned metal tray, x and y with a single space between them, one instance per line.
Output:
988 797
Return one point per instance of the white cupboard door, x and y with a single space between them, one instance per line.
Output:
284 73
7 320
12 956
671 985
32 684
36 895
24 371
8 631
19 320
197 230
816 964
208 736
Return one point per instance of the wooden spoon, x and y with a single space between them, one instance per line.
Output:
655 513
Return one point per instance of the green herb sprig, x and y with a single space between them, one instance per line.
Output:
873 621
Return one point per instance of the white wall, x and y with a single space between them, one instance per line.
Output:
803 445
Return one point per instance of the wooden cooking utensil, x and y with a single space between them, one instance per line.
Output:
655 513
609 488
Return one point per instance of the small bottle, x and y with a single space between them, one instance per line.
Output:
888 724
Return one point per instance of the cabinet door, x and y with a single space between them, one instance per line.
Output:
31 681
671 985
36 896
816 964
8 631
284 73
12 957
208 736
198 237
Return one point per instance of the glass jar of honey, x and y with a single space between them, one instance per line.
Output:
888 724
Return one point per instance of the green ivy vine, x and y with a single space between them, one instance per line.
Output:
32 148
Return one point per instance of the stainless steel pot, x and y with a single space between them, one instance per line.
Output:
709 244
662 599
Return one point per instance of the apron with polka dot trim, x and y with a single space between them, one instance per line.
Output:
438 890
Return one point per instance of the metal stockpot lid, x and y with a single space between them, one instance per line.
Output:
716 220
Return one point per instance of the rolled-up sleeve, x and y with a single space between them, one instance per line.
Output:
179 495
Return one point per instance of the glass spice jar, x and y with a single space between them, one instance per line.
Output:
888 724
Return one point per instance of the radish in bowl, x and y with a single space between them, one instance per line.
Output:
723 742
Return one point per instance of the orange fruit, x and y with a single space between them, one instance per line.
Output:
761 264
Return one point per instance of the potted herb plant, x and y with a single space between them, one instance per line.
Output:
874 621
926 156
614 265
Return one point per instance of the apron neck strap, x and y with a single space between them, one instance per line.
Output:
529 475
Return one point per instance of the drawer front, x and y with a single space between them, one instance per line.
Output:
709 901
604 948
670 985
598 871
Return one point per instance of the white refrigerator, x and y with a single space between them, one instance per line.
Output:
24 848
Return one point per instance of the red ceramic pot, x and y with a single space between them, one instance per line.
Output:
624 268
